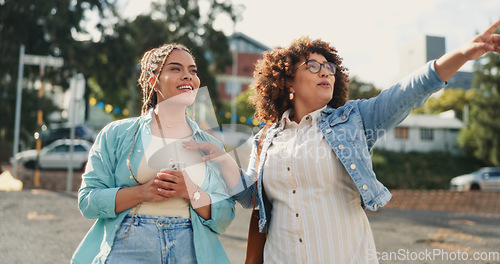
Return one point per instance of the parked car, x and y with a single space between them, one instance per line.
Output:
487 179
56 155
62 131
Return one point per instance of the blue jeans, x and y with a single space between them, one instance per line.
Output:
153 239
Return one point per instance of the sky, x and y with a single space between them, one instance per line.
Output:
368 34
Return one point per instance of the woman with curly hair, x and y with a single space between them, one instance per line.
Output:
154 201
314 174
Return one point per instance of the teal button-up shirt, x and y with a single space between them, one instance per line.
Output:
107 172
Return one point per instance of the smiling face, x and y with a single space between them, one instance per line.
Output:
178 81
312 91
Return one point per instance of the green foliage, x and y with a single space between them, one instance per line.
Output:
170 21
361 90
109 63
243 108
451 99
420 170
45 28
481 137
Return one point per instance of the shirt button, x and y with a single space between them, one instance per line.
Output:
375 207
342 116
138 151
307 118
353 166
365 187
293 191
288 168
131 177
328 130
300 240
296 215
324 119
341 147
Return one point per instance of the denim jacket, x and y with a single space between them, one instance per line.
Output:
107 172
351 130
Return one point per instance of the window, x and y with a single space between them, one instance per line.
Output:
426 133
495 174
401 132
80 148
60 149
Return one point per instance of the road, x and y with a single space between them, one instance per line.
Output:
41 226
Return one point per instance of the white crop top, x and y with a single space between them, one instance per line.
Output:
157 155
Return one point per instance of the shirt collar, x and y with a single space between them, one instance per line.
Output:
311 117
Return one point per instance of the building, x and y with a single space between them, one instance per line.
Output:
246 51
423 133
416 53
423 49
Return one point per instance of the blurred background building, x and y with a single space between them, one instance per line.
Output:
416 53
246 51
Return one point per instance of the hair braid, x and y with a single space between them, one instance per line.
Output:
152 63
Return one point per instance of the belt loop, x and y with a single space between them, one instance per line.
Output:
135 220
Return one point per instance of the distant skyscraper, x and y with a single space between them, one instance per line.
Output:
423 49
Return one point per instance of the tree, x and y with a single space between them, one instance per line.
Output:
113 68
243 109
45 28
455 99
481 137
361 90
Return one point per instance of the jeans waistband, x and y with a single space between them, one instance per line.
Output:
167 221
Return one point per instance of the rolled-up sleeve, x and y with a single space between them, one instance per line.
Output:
222 214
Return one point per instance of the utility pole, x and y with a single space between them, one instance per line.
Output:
17 121
39 123
42 61
234 84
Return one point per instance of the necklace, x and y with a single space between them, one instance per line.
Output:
172 164
168 126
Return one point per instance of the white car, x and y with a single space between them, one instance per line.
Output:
56 155
487 179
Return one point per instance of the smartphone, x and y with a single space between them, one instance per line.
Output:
177 166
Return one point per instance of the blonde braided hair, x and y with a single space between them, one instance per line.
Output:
152 63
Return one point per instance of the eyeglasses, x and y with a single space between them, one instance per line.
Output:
314 66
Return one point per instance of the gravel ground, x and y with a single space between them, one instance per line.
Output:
44 225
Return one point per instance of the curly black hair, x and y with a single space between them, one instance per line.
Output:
276 68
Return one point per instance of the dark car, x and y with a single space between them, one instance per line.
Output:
63 132
487 179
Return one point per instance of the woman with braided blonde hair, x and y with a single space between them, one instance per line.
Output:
155 201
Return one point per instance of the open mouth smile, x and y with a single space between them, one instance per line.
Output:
185 87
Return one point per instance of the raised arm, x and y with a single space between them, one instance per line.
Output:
450 62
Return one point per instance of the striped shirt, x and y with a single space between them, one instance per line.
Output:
317 215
